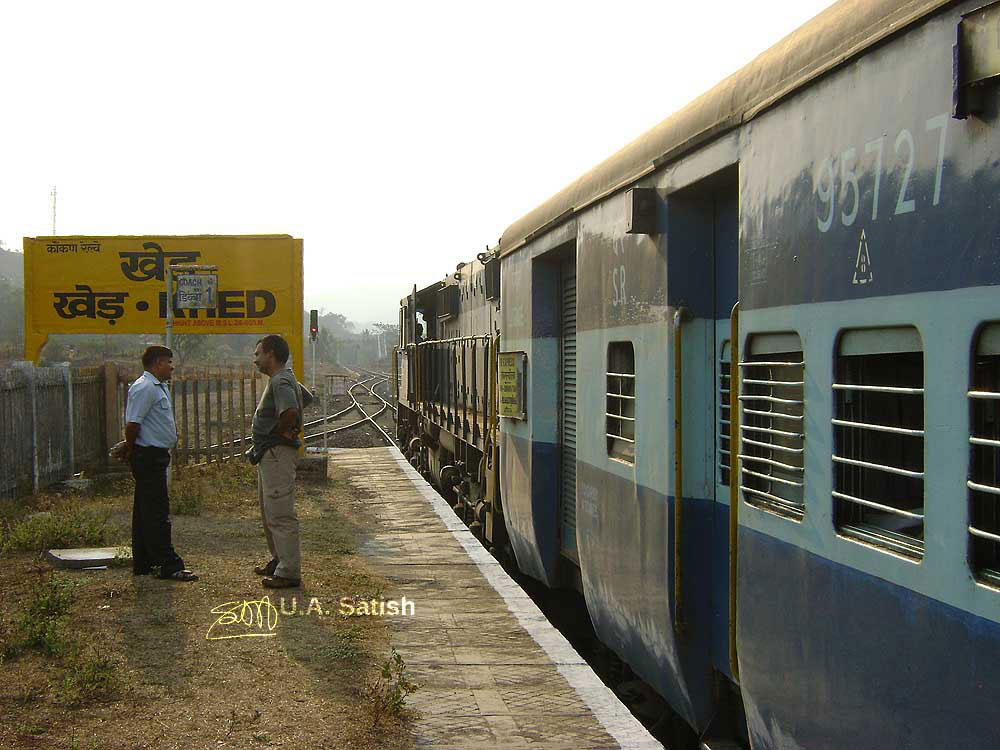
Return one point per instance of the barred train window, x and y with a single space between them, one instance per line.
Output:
772 424
878 426
723 439
620 409
984 459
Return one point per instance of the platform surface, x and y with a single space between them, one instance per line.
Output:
493 672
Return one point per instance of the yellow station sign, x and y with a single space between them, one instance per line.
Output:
118 285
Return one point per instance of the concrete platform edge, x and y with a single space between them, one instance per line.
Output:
616 719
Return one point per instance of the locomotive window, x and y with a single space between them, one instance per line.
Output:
620 404
723 425
772 424
878 424
984 458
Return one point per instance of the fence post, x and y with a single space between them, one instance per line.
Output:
208 417
28 368
184 420
68 377
197 423
218 413
243 408
111 427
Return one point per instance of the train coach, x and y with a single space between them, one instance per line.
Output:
740 385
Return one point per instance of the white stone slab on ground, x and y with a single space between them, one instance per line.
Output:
86 557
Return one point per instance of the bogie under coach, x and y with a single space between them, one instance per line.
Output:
740 385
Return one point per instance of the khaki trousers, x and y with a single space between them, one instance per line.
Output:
276 492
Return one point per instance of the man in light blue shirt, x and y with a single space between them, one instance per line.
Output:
150 433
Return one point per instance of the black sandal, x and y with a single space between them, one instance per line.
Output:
179 575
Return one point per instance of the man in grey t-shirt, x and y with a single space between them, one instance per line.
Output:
276 425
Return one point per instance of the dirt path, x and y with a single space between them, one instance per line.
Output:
298 682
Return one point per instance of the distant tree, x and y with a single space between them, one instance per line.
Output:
11 312
189 346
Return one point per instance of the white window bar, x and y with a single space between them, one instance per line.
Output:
879 389
984 394
773 498
771 399
798 383
772 479
772 446
772 431
619 416
879 467
878 427
772 364
989 489
983 534
985 441
780 465
878 506
619 437
759 413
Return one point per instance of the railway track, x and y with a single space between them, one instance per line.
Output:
370 412
376 402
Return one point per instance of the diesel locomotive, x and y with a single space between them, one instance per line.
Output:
739 385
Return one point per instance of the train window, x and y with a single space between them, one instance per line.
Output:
878 460
723 425
620 404
772 424
984 458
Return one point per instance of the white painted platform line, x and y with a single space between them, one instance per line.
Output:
616 719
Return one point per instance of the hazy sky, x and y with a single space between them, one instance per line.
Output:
395 138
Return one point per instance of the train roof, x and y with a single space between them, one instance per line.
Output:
833 37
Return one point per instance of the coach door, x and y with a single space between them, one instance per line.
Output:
567 411
726 259
702 280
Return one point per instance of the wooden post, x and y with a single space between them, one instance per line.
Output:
253 389
218 412
197 425
208 417
243 408
232 414
186 453
112 426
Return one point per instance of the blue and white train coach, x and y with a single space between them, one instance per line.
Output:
819 567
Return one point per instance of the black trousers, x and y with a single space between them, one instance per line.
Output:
151 545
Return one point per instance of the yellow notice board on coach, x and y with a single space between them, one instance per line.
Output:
510 384
118 285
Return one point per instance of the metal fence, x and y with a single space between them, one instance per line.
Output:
52 424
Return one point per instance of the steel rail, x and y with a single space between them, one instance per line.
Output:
367 417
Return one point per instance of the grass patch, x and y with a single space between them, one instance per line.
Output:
94 676
214 488
186 500
42 626
54 529
386 693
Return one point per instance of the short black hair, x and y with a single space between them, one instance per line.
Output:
276 345
154 353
